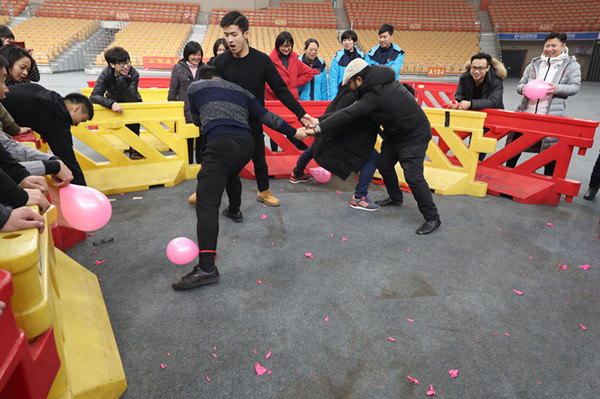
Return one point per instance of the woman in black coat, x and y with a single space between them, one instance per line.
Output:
183 74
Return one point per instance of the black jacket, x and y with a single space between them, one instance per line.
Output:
491 91
11 174
122 89
390 104
31 104
346 148
181 79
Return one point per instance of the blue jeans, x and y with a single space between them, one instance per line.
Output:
366 175
303 160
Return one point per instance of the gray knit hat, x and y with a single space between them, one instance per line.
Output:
353 68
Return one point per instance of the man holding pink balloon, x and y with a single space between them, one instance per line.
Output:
546 84
222 109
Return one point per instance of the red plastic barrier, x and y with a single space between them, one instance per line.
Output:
433 94
281 163
27 371
66 238
523 183
145 83
28 137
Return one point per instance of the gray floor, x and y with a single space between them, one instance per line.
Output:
368 275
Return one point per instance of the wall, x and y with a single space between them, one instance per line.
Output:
534 49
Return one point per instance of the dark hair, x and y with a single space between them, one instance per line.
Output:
14 53
6 32
386 28
556 35
309 41
349 34
86 103
192 48
117 54
481 55
218 42
282 38
4 63
208 72
235 18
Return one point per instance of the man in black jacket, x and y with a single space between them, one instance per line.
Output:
119 80
343 150
51 115
406 133
481 86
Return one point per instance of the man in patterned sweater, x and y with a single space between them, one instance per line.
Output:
222 109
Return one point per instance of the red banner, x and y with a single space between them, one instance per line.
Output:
159 62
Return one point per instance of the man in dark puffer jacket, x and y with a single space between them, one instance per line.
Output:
406 133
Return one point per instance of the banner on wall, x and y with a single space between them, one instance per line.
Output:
542 36
159 62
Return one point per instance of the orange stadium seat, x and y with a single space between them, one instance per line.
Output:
42 35
120 10
528 16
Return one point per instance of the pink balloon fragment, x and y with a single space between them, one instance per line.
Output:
84 208
182 250
320 174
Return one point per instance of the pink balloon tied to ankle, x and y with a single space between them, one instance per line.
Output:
182 250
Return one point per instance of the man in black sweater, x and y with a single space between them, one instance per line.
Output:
406 133
250 69
51 115
222 109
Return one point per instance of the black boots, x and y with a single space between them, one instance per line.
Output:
591 193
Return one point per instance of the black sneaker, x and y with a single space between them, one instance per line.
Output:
236 217
300 178
196 278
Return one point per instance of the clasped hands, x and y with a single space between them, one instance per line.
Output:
309 129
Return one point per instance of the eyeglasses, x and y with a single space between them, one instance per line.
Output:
480 69
285 46
122 64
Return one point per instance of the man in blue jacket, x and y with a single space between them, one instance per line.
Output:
341 60
386 53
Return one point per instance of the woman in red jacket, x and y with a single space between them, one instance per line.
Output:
293 71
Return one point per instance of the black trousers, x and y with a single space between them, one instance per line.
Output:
411 159
224 158
261 170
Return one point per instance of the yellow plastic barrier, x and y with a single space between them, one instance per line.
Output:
111 138
148 95
443 176
52 289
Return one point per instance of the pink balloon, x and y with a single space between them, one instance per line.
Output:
321 175
85 208
536 89
182 250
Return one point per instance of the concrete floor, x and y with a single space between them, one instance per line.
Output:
327 320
